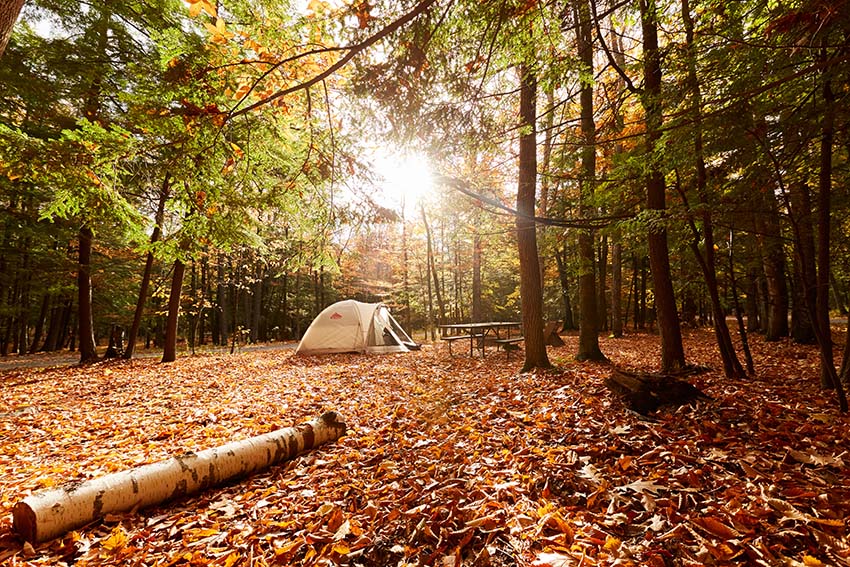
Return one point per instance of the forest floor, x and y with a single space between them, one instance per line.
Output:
448 461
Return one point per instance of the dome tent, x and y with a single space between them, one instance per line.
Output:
354 326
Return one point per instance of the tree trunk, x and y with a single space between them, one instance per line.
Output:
88 350
742 330
707 262
432 267
769 238
405 271
49 514
616 287
602 286
9 10
588 341
477 308
224 302
531 290
169 352
39 324
752 305
564 278
256 303
823 330
133 334
672 350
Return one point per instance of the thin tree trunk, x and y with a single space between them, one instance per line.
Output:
564 278
531 290
731 365
432 267
589 324
477 311
672 350
745 343
602 287
616 287
823 330
133 334
405 270
169 351
88 350
39 324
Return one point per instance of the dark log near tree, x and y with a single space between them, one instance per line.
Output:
48 514
645 392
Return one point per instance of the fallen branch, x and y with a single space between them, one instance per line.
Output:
48 514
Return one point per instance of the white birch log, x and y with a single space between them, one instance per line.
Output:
51 513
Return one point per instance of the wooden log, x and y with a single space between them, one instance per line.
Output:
644 392
51 513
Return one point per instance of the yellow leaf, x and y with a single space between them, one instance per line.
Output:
220 26
812 561
116 539
341 548
194 9
231 559
237 150
612 543
209 8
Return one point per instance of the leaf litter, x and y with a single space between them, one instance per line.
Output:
449 461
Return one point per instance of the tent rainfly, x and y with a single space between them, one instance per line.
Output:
354 326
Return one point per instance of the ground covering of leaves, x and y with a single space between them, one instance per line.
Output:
448 461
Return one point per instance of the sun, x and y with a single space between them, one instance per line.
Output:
404 177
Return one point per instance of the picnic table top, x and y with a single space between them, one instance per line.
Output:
481 325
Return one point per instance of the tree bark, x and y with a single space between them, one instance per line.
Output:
133 334
707 262
588 341
432 267
531 290
169 350
9 11
477 307
49 514
616 287
672 350
39 324
829 379
88 350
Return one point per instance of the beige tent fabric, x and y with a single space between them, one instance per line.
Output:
354 326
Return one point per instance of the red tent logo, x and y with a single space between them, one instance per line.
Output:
336 316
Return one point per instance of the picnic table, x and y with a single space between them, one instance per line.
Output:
479 334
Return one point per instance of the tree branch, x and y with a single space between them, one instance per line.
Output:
353 50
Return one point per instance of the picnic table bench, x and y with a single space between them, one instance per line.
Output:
453 338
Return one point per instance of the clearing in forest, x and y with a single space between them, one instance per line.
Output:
448 461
